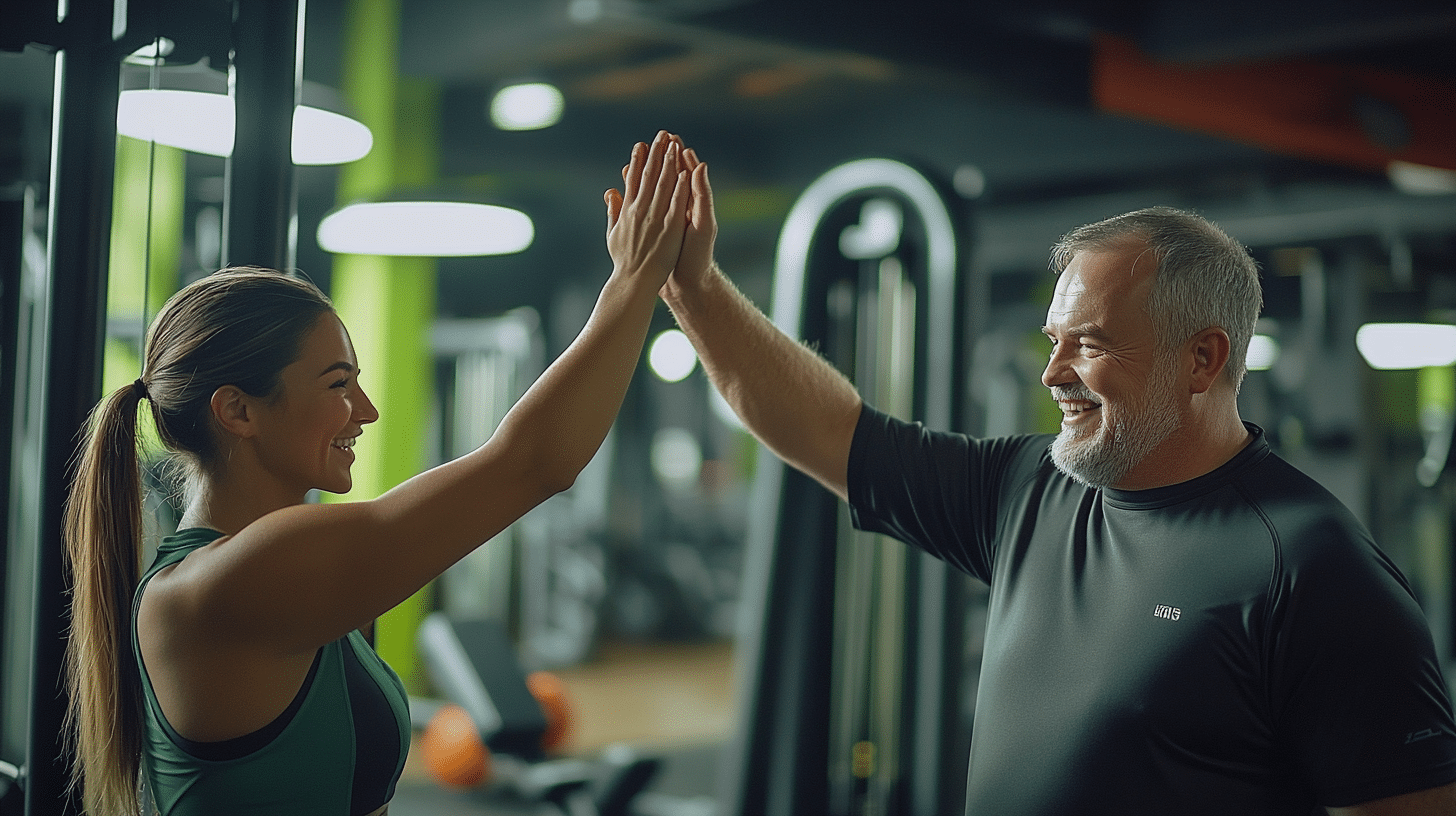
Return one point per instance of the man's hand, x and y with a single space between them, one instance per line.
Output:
696 259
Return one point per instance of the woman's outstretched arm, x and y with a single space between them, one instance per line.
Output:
305 575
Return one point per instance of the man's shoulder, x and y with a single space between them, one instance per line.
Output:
1309 522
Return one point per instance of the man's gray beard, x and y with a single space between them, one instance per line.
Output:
1097 461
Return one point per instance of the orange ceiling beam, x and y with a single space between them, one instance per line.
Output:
1350 115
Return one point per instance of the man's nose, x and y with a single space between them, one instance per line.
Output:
1058 369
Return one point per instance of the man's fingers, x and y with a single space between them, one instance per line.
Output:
702 210
681 192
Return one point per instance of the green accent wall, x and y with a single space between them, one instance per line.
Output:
388 303
148 200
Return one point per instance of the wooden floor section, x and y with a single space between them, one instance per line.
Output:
647 695
650 694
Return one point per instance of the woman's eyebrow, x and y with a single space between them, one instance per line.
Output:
342 365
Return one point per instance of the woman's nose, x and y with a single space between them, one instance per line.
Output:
364 410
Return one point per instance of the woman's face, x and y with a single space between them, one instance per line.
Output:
309 430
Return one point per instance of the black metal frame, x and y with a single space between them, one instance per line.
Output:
82 164
71 309
261 198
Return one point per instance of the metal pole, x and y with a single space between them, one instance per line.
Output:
83 153
261 201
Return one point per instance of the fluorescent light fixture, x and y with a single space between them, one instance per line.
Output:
1263 352
671 356
1421 179
426 228
192 120
1406 345
324 137
205 123
188 106
528 106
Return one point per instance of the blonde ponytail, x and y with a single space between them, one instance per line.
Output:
238 326
103 539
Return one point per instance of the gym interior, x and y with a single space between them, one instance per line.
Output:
692 629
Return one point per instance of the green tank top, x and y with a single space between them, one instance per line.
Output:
338 749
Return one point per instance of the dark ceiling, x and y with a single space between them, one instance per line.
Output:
774 93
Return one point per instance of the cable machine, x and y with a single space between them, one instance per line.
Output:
851 668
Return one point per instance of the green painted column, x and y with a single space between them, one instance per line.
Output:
1436 389
148 198
388 304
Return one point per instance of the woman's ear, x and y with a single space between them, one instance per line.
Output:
1210 355
233 411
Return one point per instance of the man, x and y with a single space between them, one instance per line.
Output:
1180 622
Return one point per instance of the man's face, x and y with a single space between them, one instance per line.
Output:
1117 392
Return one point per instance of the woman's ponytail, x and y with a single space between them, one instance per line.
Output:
239 326
103 540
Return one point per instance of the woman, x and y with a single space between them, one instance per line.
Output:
252 691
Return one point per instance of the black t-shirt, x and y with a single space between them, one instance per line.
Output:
1235 644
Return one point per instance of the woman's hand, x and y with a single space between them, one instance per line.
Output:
646 222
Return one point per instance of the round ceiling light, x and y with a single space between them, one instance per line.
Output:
426 228
206 122
528 106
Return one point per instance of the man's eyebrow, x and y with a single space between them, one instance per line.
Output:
342 365
1081 330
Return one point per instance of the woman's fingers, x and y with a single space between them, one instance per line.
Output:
614 207
667 180
646 222
632 173
651 167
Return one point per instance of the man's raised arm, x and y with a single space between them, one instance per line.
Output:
792 399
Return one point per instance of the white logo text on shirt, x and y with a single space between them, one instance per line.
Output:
1168 612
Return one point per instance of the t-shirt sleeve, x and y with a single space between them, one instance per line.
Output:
936 490
1356 685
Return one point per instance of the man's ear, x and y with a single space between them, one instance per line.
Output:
233 411
1210 349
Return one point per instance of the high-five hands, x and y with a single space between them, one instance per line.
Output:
647 221
696 256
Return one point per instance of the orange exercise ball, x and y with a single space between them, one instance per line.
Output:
550 692
452 749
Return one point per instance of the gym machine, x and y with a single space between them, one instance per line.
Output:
851 668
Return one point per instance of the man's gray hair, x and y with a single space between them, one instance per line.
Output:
1205 278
